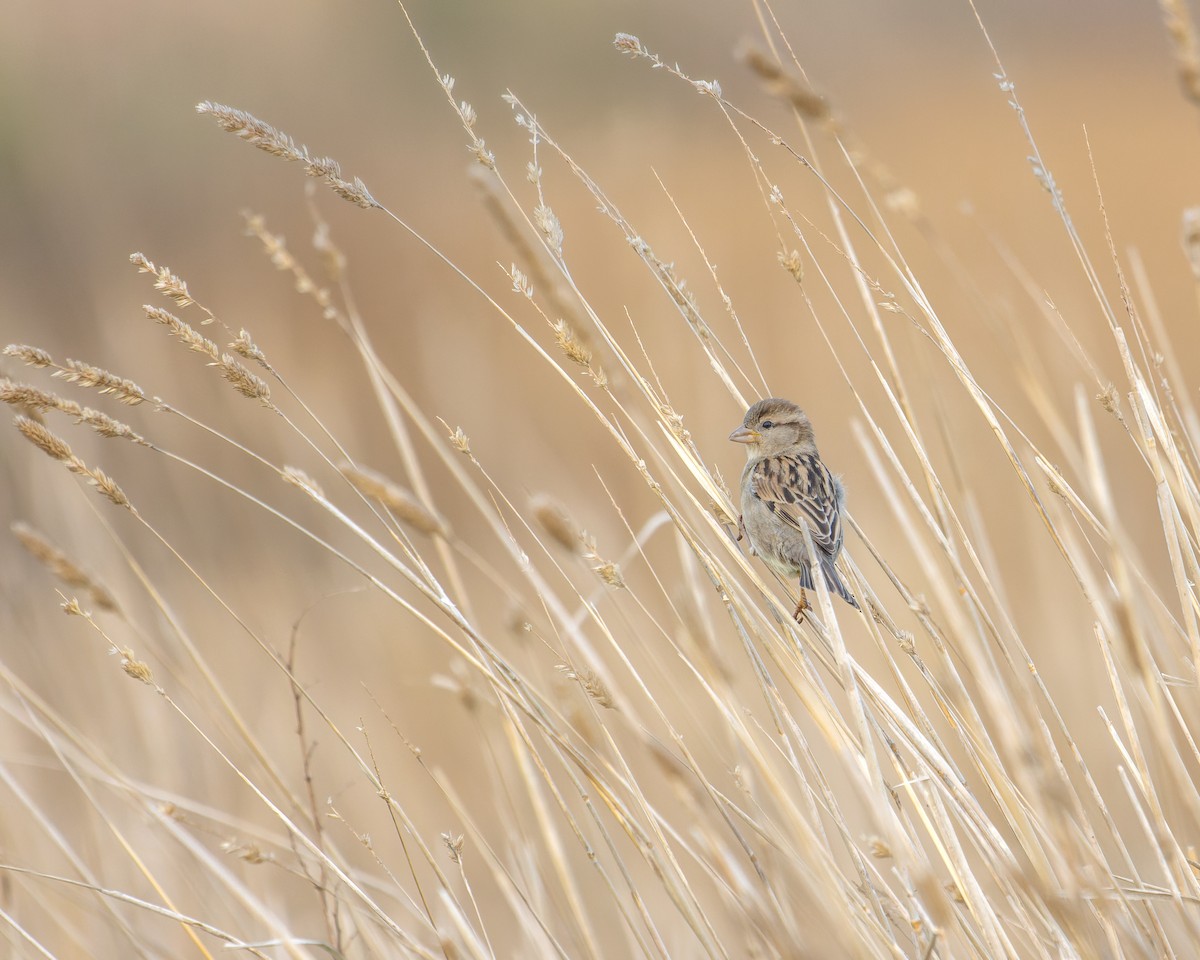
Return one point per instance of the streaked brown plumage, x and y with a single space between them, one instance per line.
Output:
785 484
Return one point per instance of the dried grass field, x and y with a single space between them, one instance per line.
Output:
370 375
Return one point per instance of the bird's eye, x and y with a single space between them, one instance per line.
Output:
768 424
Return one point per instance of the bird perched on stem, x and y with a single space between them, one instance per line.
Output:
785 484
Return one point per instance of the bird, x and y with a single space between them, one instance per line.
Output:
786 484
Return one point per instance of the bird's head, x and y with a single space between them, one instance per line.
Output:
773 427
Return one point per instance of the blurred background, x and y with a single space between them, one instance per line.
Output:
102 154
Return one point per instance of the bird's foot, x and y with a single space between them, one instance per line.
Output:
803 605
741 528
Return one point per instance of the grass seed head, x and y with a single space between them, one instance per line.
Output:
782 83
403 504
61 566
86 375
553 519
31 356
244 382
277 143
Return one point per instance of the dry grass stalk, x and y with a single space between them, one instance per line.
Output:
49 443
26 395
248 349
1182 31
841 787
185 333
54 446
279 144
676 287
607 570
537 270
177 290
34 399
570 345
332 258
791 262
1109 399
86 375
32 356
106 486
628 44
553 519
781 82
235 373
59 564
402 503
243 381
298 478
171 285
276 248
592 685
551 229
72 608
137 669
454 846
460 441
109 428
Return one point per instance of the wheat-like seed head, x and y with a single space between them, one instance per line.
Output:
245 347
185 333
244 382
32 356
164 280
24 394
781 82
59 564
34 398
48 442
402 503
279 144
592 685
87 375
137 669
54 446
553 519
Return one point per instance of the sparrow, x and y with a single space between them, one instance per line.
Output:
784 484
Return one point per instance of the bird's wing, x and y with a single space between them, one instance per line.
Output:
801 487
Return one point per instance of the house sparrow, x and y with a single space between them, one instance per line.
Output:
784 484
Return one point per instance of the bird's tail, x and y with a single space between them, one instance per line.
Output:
832 580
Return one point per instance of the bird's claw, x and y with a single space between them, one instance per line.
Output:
803 605
741 528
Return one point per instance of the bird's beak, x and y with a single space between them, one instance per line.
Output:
745 435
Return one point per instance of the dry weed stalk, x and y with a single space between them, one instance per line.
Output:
58 449
34 399
1181 28
783 83
402 503
164 280
898 783
279 144
62 566
185 333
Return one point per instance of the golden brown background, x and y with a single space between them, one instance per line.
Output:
102 154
